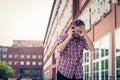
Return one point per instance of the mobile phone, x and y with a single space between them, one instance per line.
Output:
72 27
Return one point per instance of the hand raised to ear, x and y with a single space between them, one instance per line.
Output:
70 32
83 30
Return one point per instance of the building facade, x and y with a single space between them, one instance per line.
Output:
27 43
26 61
102 22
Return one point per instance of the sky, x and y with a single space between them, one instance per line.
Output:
23 20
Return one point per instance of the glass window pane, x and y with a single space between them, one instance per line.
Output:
4 56
106 52
36 71
28 56
97 53
97 75
102 52
24 70
106 64
106 75
22 56
94 67
39 56
118 74
87 67
118 62
117 50
16 56
33 56
97 66
39 63
102 75
94 76
102 65
15 62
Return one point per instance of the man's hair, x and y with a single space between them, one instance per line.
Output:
78 23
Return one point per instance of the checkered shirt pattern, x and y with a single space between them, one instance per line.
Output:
70 61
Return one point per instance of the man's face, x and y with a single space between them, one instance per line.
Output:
77 31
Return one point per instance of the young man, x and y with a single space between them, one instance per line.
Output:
70 46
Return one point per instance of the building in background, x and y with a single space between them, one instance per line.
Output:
102 22
27 43
26 61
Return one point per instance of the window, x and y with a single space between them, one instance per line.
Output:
34 63
4 56
24 70
95 11
86 72
36 71
96 53
33 56
86 56
104 69
86 18
15 56
10 62
39 63
99 8
22 56
105 46
28 63
96 71
22 63
4 50
15 62
37 78
28 56
10 56
101 58
19 43
118 67
39 56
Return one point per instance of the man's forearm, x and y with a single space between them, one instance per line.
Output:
62 46
90 45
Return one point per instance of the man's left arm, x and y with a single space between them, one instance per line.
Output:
90 45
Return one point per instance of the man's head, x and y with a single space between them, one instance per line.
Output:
77 25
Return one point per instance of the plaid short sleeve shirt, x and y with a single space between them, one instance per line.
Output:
70 61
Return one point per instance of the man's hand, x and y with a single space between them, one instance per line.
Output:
84 32
70 33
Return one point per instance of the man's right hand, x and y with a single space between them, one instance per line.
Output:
70 33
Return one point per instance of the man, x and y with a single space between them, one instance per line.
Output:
19 77
70 46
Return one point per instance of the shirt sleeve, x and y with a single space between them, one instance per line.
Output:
84 43
61 39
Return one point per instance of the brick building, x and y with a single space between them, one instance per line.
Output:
26 61
27 43
102 22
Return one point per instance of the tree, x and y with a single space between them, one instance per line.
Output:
5 70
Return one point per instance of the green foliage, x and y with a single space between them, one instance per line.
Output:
5 70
